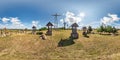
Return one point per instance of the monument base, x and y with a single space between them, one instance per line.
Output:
48 33
74 35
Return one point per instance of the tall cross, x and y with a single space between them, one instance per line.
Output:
56 21
64 25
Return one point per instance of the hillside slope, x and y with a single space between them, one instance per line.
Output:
31 47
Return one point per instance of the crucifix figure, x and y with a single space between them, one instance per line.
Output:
56 21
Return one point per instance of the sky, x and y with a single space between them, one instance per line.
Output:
20 14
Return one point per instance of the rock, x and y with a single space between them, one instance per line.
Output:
43 37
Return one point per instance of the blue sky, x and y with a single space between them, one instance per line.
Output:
26 13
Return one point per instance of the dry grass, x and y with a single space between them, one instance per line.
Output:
31 47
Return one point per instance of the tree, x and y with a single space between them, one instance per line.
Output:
89 29
43 28
101 29
114 30
107 29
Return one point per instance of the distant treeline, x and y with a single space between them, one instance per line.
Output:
107 29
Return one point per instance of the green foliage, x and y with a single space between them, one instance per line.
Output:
101 29
114 30
98 30
43 28
39 33
62 28
90 29
108 29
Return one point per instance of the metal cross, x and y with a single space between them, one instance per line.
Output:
56 21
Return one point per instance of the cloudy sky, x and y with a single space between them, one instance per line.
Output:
26 13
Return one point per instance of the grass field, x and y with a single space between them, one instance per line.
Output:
31 47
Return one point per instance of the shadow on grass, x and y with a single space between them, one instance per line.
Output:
86 36
65 42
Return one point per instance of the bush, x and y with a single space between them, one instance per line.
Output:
43 28
101 29
114 30
108 29
89 29
62 28
39 33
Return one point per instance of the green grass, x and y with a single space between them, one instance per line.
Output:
31 47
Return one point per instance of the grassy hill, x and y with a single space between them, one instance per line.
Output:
31 47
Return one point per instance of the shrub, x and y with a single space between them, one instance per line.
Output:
114 30
89 29
39 33
43 28
108 29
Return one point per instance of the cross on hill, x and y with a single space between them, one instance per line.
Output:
56 21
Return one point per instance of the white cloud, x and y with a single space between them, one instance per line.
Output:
2 26
61 20
82 14
5 20
73 18
110 19
15 23
35 23
114 17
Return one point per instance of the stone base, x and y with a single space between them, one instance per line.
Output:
48 33
32 33
74 35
